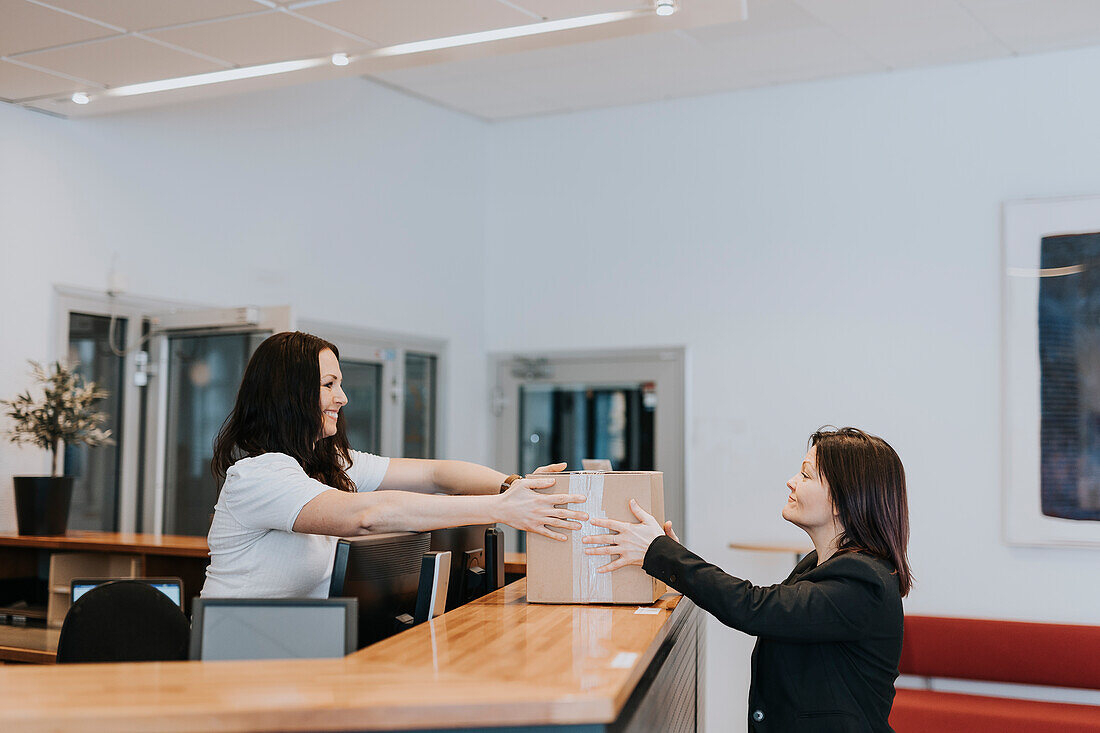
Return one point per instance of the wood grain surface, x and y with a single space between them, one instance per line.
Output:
144 544
495 661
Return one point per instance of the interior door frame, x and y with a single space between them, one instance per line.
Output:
72 300
388 349
664 366
188 321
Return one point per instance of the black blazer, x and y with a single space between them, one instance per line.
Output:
829 636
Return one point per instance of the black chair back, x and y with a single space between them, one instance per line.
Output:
123 621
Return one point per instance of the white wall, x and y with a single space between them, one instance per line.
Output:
829 254
351 202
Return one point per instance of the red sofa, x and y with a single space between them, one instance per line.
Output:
1058 655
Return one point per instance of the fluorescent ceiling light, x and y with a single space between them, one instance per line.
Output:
499 34
197 80
283 67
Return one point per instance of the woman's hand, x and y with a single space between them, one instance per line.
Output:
552 468
523 508
629 542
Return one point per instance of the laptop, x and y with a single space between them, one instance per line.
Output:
171 587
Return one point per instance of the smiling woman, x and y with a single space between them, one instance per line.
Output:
829 636
292 484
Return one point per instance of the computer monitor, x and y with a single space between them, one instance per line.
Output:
382 572
272 628
477 560
171 587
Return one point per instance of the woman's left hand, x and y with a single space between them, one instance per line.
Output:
629 542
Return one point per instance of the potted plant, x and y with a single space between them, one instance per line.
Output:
65 414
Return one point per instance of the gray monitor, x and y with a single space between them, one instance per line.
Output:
273 628
477 561
382 571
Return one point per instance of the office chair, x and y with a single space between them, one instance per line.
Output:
123 621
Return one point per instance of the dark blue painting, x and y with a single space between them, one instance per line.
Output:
1069 363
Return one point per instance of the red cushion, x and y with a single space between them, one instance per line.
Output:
927 711
1060 655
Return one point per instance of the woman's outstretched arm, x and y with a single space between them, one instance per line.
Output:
447 477
835 606
345 514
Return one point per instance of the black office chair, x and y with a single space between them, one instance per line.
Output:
123 621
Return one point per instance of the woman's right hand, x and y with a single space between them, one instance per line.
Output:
523 508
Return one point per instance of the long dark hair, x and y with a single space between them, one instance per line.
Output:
867 486
278 410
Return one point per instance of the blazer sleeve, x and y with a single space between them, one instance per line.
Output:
837 604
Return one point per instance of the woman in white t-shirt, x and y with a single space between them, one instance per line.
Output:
292 485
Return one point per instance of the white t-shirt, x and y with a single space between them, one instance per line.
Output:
253 551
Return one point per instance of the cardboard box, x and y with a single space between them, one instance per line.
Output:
560 572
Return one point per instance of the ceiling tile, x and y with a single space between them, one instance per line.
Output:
1029 26
764 17
139 15
556 9
608 73
29 27
900 33
18 82
258 39
118 61
387 22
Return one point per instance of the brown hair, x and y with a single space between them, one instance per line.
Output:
278 410
867 486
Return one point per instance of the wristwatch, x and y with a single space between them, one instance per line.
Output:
507 483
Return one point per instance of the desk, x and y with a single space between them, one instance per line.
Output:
158 556
153 556
496 661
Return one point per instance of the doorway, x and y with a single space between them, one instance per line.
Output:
626 407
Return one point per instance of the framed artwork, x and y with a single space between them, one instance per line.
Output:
1051 399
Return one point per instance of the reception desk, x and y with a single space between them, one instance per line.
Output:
142 555
89 554
497 662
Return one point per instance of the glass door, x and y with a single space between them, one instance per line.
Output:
204 372
573 423
393 387
363 414
198 359
622 407
97 484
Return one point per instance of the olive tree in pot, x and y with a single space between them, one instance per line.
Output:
65 414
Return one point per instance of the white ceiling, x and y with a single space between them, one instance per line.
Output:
52 48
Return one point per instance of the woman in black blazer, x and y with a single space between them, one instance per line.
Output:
829 636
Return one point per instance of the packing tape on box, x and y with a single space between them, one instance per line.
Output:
589 585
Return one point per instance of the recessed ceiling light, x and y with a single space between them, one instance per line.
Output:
666 7
81 98
340 59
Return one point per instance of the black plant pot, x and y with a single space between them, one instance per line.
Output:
42 503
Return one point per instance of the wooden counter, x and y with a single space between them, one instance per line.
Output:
497 661
145 555
169 545
158 555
